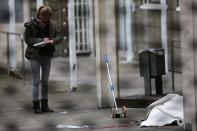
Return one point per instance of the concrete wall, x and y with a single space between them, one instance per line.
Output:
189 53
147 30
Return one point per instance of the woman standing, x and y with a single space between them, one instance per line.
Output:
40 29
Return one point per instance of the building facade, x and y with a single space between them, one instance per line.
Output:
120 28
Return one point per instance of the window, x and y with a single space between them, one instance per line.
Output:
151 5
152 1
155 1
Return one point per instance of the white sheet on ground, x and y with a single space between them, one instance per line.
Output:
165 111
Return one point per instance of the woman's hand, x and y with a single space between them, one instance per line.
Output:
48 41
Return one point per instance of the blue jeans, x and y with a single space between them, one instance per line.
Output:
41 65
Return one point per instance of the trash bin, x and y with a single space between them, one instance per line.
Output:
152 65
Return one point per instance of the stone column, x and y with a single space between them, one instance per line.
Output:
90 34
106 44
164 37
12 38
72 45
129 29
122 28
189 61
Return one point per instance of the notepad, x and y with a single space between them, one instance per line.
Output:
40 44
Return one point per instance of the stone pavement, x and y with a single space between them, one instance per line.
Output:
72 109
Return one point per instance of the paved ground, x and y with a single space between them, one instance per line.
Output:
73 109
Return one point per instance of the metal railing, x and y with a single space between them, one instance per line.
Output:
172 62
8 51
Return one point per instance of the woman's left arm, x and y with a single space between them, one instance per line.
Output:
58 36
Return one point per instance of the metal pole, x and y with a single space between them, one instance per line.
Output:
78 27
83 30
23 56
172 64
110 80
8 55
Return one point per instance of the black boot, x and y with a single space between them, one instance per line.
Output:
36 107
45 107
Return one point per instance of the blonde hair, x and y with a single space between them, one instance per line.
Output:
44 11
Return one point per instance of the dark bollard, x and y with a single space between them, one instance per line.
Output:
152 65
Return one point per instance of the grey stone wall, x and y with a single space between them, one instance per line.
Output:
147 30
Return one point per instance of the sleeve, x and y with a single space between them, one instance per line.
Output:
30 37
58 36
